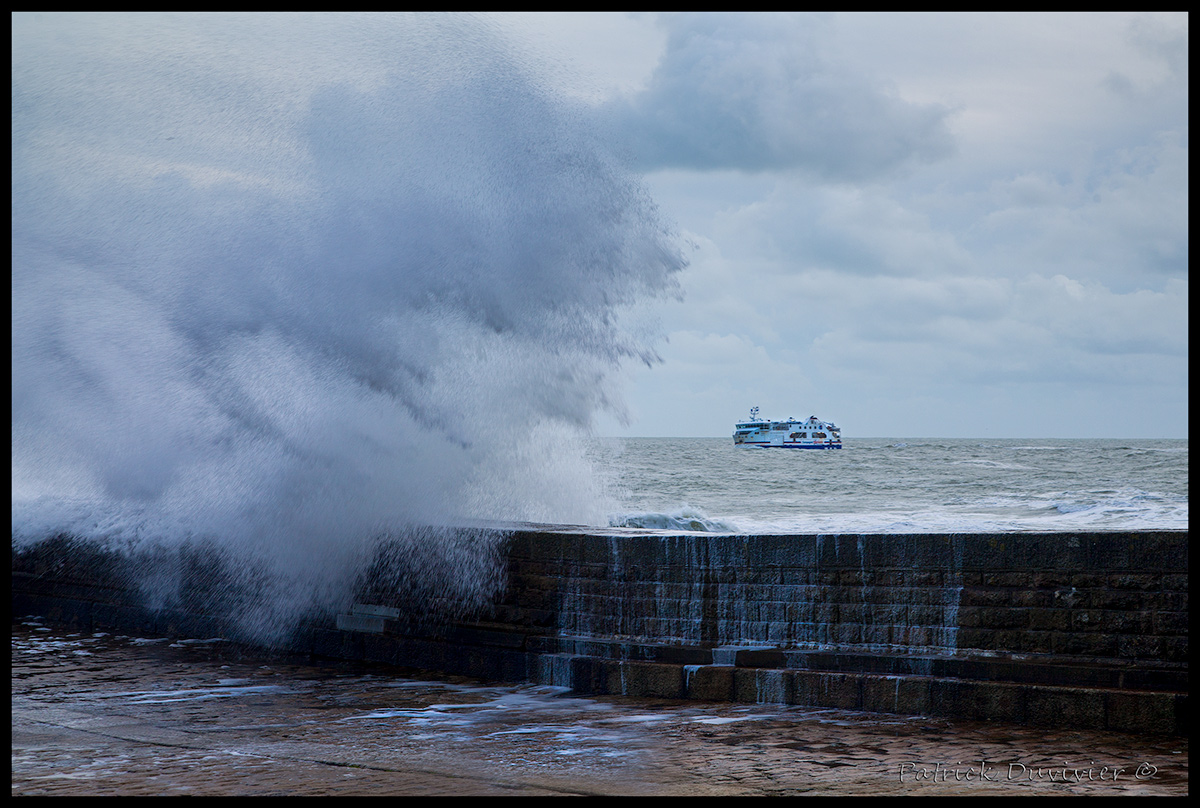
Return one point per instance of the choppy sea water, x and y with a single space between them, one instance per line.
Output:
898 485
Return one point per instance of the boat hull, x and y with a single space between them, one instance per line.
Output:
790 445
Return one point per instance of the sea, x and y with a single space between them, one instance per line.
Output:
898 485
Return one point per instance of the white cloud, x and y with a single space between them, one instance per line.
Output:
1125 223
752 92
1033 282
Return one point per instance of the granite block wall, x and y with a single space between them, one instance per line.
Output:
1116 596
1082 629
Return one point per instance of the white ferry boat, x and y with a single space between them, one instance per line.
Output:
790 434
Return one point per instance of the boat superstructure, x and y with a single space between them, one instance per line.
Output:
812 433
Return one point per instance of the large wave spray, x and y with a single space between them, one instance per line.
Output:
293 281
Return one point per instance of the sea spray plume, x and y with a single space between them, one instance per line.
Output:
288 283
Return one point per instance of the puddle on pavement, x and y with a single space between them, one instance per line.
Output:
109 714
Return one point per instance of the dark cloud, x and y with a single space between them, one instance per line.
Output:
753 93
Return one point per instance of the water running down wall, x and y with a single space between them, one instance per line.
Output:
1086 630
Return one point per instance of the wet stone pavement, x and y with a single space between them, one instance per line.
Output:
100 714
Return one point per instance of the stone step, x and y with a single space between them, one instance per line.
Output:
1119 674
1044 705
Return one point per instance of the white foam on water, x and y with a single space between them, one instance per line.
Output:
934 486
197 694
685 518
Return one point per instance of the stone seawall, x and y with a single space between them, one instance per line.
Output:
1081 630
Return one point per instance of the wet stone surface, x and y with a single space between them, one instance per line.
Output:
112 715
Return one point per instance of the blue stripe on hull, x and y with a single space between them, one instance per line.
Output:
788 445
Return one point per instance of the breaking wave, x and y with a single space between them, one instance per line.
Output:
685 518
291 281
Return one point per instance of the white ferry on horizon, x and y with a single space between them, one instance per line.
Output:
790 434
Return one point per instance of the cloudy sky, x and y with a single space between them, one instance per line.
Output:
954 225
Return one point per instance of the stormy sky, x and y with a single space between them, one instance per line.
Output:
957 225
